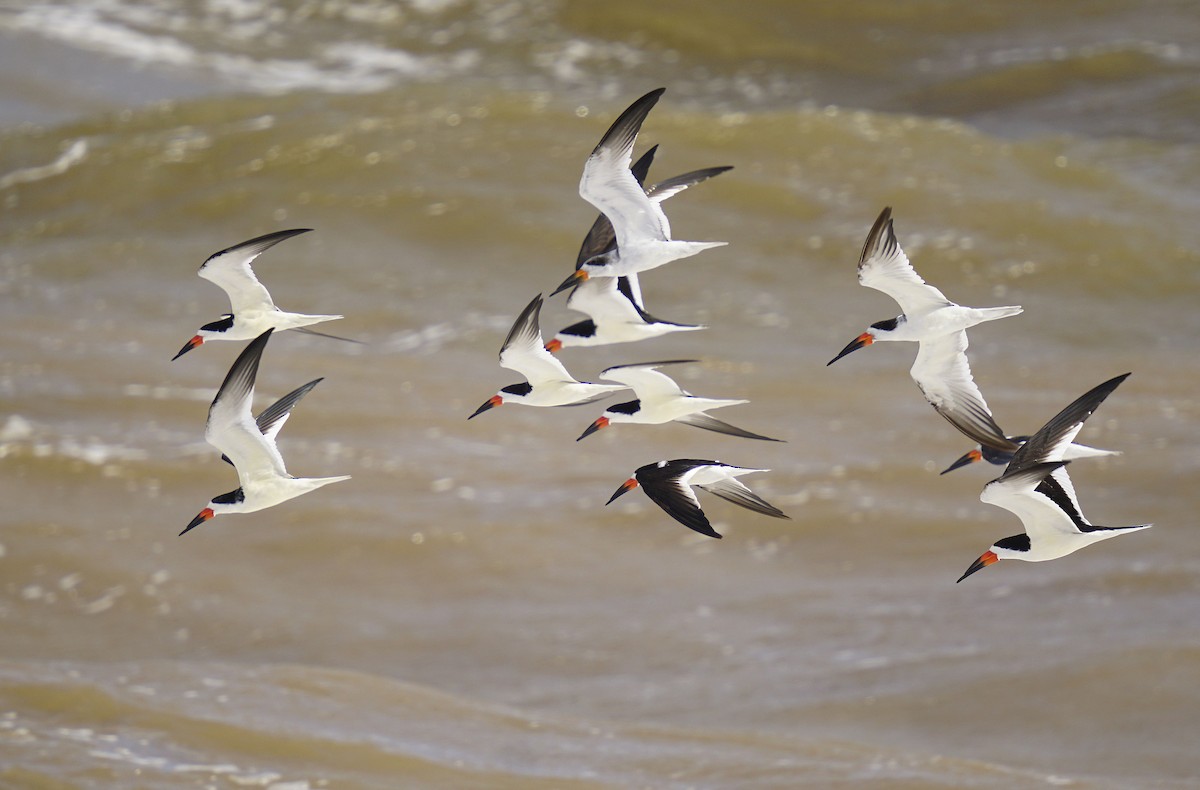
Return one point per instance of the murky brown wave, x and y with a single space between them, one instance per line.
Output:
465 612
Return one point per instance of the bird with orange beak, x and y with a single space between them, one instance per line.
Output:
661 400
1036 488
668 484
641 228
547 381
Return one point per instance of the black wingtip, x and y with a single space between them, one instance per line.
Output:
625 129
710 532
245 368
526 321
306 331
641 168
882 223
263 242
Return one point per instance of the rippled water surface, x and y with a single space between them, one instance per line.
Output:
465 612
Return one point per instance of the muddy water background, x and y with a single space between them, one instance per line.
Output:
465 612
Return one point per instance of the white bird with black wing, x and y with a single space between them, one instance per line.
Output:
929 318
1036 488
547 382
660 400
668 484
263 477
614 306
251 306
641 228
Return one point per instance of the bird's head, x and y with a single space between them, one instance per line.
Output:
225 503
1014 547
206 332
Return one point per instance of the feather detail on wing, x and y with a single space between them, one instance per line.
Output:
608 184
647 383
943 374
884 267
733 491
680 503
230 270
1052 439
272 418
232 429
708 423
524 351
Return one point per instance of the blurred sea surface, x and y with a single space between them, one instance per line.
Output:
465 612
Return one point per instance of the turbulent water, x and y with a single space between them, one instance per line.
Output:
465 612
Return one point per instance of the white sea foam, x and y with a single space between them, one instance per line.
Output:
75 153
160 34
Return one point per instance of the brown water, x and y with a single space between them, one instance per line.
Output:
465 612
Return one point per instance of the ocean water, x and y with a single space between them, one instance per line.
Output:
465 612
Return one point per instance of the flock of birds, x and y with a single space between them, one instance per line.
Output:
244 441
1035 485
632 235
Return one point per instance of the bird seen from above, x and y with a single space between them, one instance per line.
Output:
668 484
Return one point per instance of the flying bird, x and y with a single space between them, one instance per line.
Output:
642 231
1036 488
668 484
252 310
614 316
999 450
929 317
547 382
660 399
939 326
263 478
614 306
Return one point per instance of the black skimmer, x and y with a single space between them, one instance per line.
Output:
253 312
641 228
1000 449
615 316
668 484
614 305
938 324
660 399
264 480
943 374
547 382
1036 488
